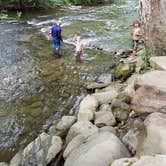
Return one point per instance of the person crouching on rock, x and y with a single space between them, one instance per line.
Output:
57 37
78 48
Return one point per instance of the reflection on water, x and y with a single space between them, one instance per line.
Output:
35 85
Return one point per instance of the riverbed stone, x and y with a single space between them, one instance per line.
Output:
73 144
39 152
109 129
104 118
120 110
87 108
95 85
105 78
98 150
84 128
124 70
158 62
156 160
105 97
154 142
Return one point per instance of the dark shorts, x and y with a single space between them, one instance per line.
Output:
135 44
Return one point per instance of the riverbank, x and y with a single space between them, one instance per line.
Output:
116 124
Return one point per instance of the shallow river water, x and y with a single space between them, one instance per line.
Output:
35 86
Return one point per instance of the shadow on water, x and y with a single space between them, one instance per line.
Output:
34 84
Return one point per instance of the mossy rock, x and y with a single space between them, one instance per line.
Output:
124 70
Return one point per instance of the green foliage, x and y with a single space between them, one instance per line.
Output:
18 15
146 63
3 16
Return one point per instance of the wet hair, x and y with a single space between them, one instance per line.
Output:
136 22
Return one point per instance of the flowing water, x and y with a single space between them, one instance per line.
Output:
35 86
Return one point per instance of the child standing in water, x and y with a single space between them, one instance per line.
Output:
79 48
136 35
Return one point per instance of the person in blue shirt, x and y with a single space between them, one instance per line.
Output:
57 37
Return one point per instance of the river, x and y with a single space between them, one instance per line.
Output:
36 87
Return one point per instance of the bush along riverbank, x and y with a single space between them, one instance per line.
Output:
118 124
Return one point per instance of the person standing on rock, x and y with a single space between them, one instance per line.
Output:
57 37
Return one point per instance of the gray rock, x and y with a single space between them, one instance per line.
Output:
39 152
108 128
105 107
158 62
66 122
87 108
120 110
98 150
131 140
148 100
95 85
85 128
154 142
105 78
105 97
104 118
157 160
73 144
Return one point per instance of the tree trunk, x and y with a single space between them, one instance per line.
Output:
153 16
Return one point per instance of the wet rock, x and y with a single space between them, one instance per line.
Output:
73 144
142 161
85 128
120 110
99 150
62 127
154 142
39 152
105 97
148 100
124 70
87 108
104 118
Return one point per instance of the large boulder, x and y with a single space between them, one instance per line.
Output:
154 79
105 97
154 142
98 150
157 160
104 118
148 100
85 128
87 108
150 95
39 152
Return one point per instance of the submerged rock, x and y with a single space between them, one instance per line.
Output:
98 150
39 152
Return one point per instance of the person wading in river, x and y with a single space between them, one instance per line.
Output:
57 37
